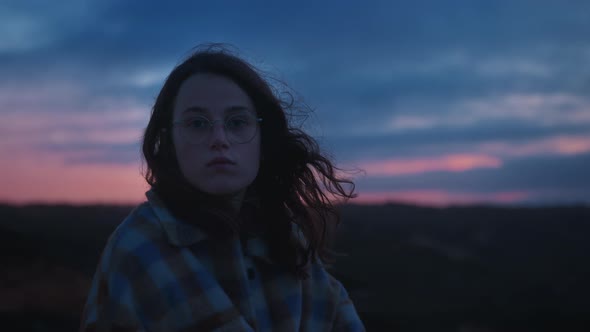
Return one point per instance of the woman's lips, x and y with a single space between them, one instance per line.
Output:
220 161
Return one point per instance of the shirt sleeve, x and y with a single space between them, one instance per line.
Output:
347 318
110 304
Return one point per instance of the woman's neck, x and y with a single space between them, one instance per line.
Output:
235 201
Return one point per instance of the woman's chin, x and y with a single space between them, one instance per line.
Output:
223 191
222 188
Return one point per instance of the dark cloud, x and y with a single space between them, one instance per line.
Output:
545 175
319 47
429 142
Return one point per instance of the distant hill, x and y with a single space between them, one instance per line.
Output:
407 268
484 266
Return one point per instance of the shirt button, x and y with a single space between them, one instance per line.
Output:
251 273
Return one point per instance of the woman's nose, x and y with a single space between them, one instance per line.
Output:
218 134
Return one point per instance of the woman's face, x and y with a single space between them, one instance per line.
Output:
215 160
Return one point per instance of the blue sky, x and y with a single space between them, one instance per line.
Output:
439 102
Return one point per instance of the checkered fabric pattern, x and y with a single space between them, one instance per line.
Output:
158 273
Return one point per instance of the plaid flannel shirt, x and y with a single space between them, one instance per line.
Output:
158 273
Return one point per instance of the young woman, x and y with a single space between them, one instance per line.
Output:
233 235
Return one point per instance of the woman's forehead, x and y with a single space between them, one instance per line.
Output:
197 110
211 94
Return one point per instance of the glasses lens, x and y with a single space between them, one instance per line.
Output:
241 128
195 129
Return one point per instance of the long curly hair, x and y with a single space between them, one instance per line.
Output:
294 182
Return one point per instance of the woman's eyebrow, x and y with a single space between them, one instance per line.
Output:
236 109
231 109
195 109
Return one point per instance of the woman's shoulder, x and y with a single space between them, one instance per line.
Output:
139 226
148 231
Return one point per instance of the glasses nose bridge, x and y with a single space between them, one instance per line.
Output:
212 127
213 122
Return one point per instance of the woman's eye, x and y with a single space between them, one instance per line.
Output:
237 122
197 123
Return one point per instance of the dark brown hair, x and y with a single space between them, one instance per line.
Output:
294 181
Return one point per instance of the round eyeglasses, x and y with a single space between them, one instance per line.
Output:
239 129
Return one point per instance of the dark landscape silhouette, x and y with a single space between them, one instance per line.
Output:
407 268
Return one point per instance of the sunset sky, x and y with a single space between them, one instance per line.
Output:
438 102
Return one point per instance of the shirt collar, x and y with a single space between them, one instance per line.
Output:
178 232
183 234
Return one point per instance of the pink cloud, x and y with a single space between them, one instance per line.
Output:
439 197
492 155
449 163
559 145
46 179
30 130
31 174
